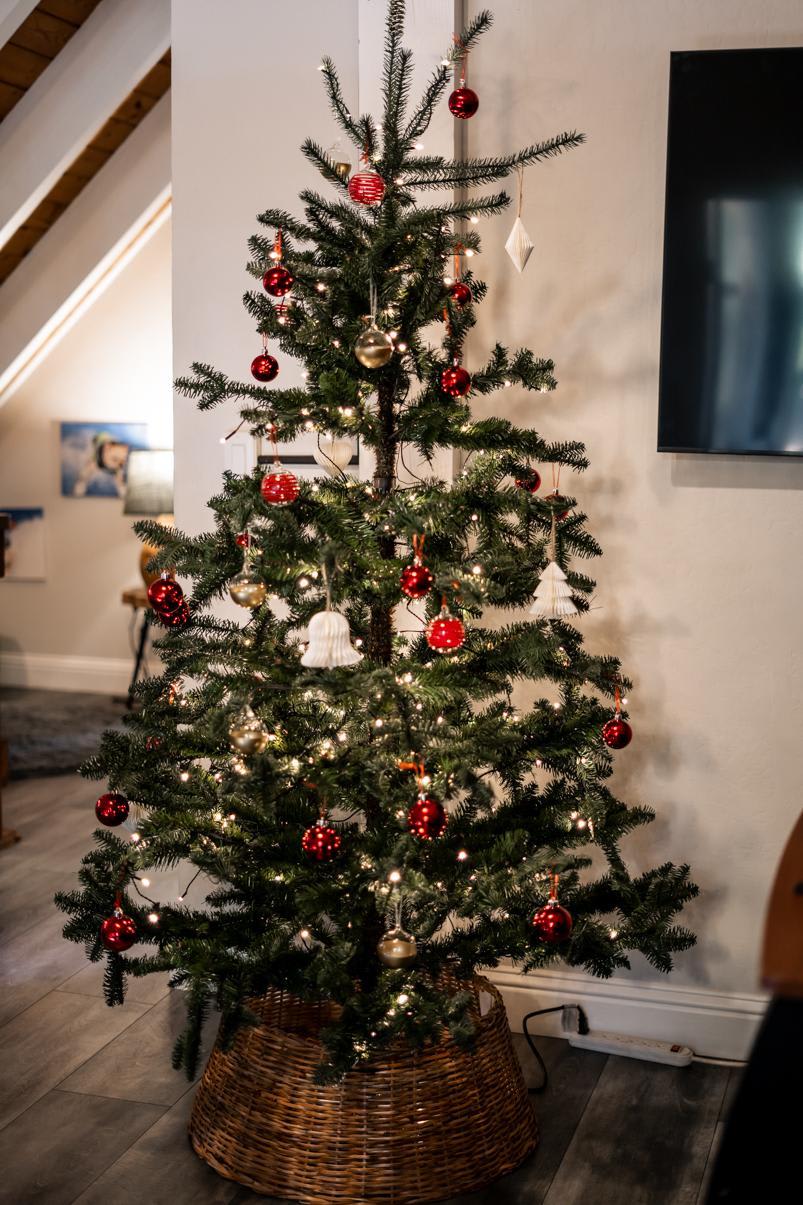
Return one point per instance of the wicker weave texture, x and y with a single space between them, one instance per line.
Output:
406 1128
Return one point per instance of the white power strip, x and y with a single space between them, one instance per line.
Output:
633 1048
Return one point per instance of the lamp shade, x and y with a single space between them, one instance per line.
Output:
149 482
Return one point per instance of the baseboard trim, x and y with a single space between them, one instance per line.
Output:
53 671
720 1024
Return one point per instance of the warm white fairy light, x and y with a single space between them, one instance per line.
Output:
469 252
476 570
394 876
402 998
184 776
321 287
474 219
305 934
380 723
474 518
136 837
153 917
462 855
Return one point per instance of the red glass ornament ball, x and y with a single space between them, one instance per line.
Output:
617 733
460 293
112 809
446 633
264 367
242 539
552 923
464 102
530 481
366 187
427 818
416 580
176 619
321 842
280 488
277 281
165 596
455 381
118 932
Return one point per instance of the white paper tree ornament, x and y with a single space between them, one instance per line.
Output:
553 595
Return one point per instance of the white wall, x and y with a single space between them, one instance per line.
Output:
114 365
700 586
246 92
696 591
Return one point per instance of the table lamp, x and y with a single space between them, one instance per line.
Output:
149 493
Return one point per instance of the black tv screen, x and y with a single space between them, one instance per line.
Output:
731 377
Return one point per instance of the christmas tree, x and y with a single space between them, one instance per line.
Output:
346 769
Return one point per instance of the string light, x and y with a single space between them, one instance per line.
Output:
394 876
153 917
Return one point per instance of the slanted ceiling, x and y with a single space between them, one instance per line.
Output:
22 60
46 31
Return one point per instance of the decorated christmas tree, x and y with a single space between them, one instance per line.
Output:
345 770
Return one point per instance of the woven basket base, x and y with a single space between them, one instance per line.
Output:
407 1128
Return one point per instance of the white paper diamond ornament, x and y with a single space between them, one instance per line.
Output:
519 245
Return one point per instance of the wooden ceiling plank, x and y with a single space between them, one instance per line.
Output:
9 95
21 67
74 11
43 34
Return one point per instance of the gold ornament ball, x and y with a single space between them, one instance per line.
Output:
373 348
343 169
397 948
249 737
247 590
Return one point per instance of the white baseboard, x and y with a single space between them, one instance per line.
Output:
720 1024
52 671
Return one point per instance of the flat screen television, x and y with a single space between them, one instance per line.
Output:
731 376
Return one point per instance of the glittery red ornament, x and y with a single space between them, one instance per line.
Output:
152 742
242 539
112 809
321 842
264 367
455 381
445 633
464 102
552 923
415 580
367 187
165 595
277 281
118 932
557 501
279 487
530 481
460 293
427 817
176 619
617 733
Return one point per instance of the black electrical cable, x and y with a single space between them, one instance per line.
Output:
582 1027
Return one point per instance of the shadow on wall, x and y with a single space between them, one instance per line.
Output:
737 472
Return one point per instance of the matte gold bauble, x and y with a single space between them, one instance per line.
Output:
373 348
397 949
248 734
247 590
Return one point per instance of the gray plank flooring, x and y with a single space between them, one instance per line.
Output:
91 1113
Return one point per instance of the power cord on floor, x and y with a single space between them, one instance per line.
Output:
574 1020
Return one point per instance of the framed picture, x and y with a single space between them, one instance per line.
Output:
25 544
93 457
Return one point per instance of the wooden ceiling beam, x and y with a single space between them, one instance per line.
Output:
56 119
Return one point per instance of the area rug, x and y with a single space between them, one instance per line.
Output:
52 731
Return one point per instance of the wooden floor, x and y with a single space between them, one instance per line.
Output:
91 1111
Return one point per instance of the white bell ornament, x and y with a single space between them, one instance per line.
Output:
329 642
